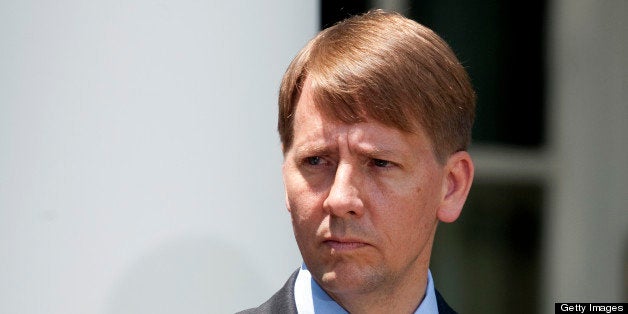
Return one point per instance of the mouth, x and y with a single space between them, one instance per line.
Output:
344 245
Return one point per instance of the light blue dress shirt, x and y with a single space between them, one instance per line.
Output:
310 298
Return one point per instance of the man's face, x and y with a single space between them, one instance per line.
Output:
363 200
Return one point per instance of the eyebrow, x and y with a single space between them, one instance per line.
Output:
313 149
379 152
323 149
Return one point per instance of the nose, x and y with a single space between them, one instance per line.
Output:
344 198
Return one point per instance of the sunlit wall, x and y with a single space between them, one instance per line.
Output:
139 162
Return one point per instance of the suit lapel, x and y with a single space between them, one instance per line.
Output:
443 307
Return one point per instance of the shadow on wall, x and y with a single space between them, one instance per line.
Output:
199 275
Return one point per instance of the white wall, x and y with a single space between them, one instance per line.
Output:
139 162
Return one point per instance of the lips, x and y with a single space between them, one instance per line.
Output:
344 244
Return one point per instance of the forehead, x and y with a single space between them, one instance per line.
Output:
314 129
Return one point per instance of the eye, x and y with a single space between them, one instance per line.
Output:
314 160
381 163
314 163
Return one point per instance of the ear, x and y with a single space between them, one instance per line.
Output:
458 177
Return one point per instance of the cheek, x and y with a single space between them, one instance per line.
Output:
304 209
408 212
305 206
306 222
293 188
301 196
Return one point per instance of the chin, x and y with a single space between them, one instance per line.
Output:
351 279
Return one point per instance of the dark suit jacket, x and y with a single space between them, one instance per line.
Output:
283 301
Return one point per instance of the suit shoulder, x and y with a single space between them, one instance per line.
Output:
281 302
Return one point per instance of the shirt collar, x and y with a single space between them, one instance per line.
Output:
311 298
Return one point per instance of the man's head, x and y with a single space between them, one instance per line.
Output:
375 116
388 68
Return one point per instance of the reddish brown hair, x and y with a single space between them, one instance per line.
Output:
388 68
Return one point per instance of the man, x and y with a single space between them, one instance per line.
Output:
375 116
